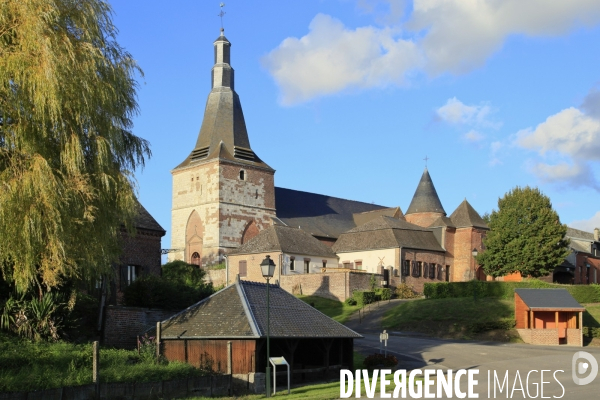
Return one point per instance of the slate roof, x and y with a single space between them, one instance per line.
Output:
285 239
579 234
364 217
580 241
386 232
465 215
223 134
317 214
425 198
144 220
240 311
442 221
549 298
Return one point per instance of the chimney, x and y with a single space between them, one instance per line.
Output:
596 235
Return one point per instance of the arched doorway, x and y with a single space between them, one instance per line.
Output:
195 259
194 234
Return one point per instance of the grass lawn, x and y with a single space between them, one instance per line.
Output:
337 310
25 365
591 317
458 318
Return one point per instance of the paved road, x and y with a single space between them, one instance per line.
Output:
428 353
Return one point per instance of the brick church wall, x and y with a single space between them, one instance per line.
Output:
423 219
123 324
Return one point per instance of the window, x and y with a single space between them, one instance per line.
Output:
242 175
292 265
129 273
447 273
440 272
431 271
324 263
417 266
358 264
406 268
347 264
425 270
243 269
307 265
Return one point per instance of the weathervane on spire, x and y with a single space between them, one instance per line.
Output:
221 14
425 159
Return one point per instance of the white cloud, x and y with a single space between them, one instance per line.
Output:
591 103
571 139
495 148
473 136
456 112
331 58
587 225
439 36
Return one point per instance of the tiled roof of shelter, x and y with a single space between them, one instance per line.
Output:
223 134
144 220
465 215
240 311
548 298
386 232
320 215
285 239
425 198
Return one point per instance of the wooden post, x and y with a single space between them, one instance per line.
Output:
229 360
96 362
527 319
157 341
532 319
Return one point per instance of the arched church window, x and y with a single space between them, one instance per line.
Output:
196 259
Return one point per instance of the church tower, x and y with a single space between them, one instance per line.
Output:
223 193
425 207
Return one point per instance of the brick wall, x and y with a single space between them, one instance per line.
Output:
575 337
423 219
123 324
525 335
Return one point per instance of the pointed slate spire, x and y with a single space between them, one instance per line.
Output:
425 198
223 124
466 216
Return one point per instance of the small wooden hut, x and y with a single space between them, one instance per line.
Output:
229 330
548 316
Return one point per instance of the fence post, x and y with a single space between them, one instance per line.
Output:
157 341
96 366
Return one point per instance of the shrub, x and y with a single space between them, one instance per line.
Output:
505 290
156 292
375 360
383 293
364 297
351 301
405 291
591 332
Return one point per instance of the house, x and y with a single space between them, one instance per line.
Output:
313 344
582 265
549 317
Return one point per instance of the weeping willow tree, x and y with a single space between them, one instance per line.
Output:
67 151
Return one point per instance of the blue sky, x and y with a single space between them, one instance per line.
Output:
347 97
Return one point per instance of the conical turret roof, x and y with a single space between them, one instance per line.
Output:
466 216
425 198
223 133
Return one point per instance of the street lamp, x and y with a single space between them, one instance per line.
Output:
267 267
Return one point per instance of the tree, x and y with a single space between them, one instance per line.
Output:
525 236
67 152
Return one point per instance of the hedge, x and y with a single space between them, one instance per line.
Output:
383 293
505 290
364 297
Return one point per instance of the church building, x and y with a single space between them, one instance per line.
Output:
224 196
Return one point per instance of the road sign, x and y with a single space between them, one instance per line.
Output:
383 338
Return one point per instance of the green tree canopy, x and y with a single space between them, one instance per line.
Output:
67 152
525 236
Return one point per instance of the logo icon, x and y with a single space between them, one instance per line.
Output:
580 367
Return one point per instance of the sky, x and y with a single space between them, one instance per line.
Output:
348 97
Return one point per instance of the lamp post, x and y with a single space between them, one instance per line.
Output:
267 267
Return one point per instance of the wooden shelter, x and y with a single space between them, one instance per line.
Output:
229 329
548 316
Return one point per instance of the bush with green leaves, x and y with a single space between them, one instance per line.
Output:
364 297
383 293
351 301
405 291
157 292
505 290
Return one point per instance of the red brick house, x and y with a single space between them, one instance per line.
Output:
548 317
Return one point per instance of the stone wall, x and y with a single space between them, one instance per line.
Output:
333 285
575 337
539 336
122 325
216 277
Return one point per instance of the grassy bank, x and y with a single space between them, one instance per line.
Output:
25 365
457 318
337 310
